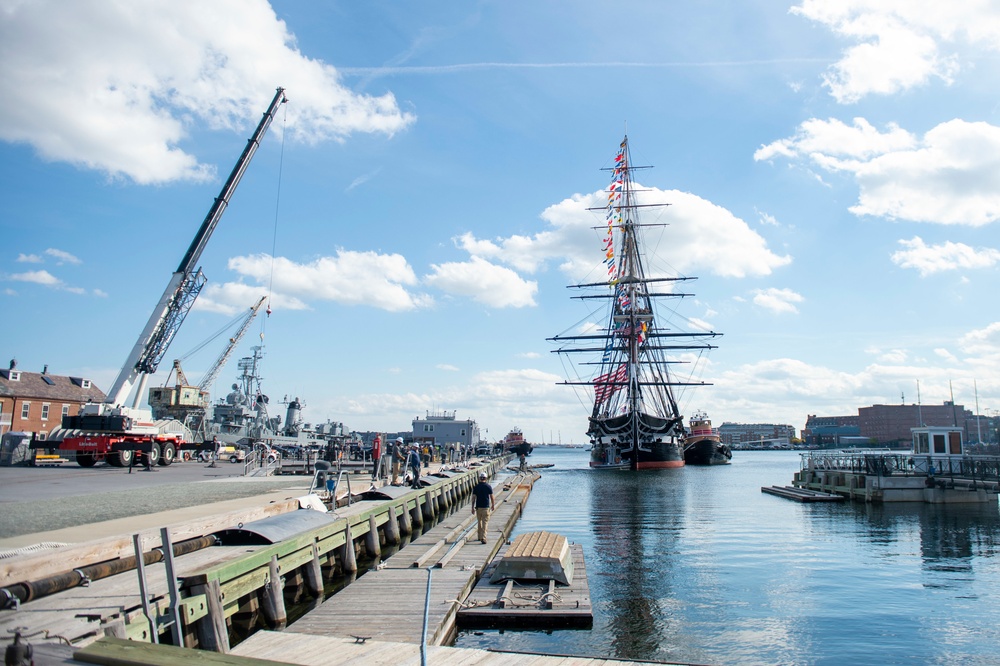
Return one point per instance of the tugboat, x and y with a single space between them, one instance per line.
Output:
515 443
635 422
703 446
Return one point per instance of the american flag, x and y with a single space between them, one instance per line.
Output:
607 385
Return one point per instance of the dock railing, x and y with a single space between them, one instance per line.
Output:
885 463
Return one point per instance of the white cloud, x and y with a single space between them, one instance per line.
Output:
141 74
29 258
896 356
777 300
984 342
349 278
946 355
929 259
447 367
950 176
492 285
37 277
701 236
900 44
62 256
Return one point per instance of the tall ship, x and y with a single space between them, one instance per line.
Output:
703 445
635 422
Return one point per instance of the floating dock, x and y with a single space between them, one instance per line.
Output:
801 494
539 581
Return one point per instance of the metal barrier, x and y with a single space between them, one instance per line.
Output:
332 489
882 463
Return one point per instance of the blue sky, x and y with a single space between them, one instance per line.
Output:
418 207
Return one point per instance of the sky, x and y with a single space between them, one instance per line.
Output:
419 206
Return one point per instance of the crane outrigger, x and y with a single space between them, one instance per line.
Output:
116 432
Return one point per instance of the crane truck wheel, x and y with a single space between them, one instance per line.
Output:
154 454
168 453
120 459
86 459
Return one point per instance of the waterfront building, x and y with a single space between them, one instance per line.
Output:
831 431
756 435
441 429
35 402
891 425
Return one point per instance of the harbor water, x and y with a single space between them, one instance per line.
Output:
697 565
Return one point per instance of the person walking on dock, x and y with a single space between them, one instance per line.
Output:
483 505
413 462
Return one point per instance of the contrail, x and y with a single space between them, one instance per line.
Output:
472 66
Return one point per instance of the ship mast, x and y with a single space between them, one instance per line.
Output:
633 381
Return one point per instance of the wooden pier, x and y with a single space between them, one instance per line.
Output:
232 589
389 604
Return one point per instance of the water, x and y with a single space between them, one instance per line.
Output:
697 565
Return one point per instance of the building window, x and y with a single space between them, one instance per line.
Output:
86 384
25 409
65 410
45 411
428 427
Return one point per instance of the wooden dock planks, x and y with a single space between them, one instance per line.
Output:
388 604
801 494
326 650
522 604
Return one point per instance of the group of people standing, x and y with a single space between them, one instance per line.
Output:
391 462
397 454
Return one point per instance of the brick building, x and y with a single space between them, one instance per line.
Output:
890 424
741 435
37 401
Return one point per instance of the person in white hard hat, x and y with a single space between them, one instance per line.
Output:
396 457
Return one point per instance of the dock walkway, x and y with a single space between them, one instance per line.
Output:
388 604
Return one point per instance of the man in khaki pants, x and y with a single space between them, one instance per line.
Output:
482 505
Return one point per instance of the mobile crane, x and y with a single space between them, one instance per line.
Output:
115 432
190 404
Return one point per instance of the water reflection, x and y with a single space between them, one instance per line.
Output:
951 537
635 521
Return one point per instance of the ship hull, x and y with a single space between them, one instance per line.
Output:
613 447
707 452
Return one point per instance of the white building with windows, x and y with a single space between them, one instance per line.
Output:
441 429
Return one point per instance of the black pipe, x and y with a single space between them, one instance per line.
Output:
29 590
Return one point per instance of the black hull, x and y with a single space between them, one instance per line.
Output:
661 455
613 442
707 452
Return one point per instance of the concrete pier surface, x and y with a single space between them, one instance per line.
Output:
72 504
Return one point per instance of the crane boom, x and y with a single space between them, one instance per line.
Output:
186 283
213 372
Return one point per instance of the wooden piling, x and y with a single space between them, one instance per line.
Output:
407 522
274 597
373 547
314 574
348 558
211 629
392 527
